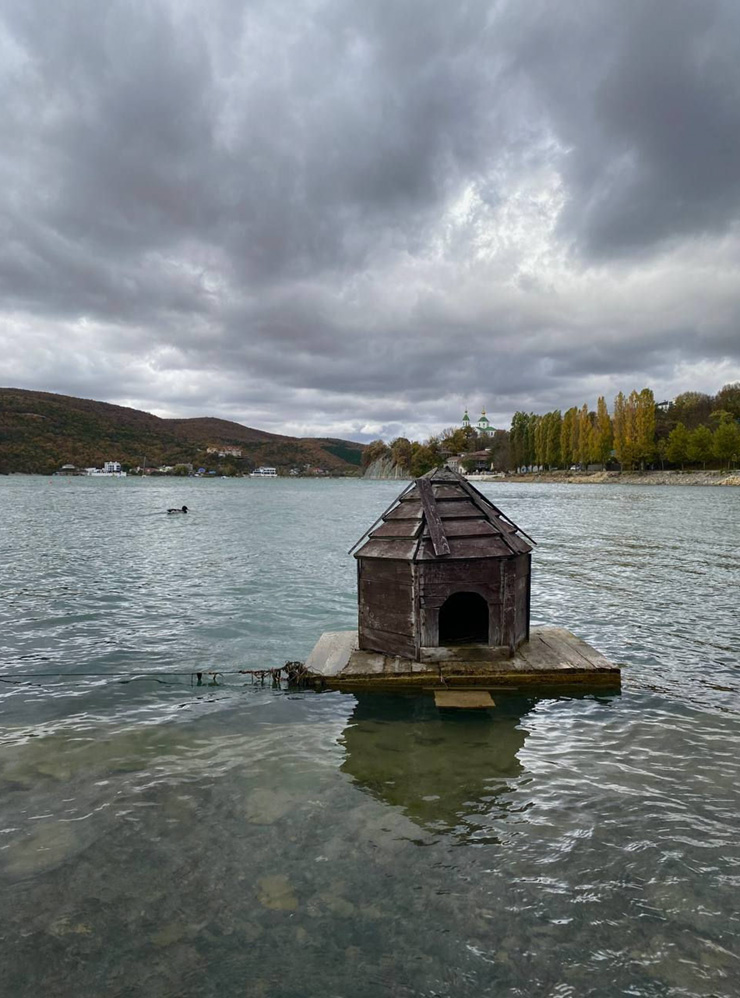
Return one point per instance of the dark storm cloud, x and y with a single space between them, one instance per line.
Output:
361 216
645 96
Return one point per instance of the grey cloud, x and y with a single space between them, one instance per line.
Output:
644 98
368 213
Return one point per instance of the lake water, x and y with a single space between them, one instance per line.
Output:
163 839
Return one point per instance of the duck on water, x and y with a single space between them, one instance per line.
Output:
183 509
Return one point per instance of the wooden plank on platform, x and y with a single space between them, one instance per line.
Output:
566 646
536 656
464 699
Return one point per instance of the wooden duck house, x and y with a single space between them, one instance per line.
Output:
443 591
443 568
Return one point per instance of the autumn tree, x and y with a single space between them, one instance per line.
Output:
566 436
728 399
522 442
726 442
624 431
634 428
457 440
423 459
554 431
677 449
644 405
500 451
435 449
699 449
585 435
691 408
539 430
373 452
603 434
401 452
575 436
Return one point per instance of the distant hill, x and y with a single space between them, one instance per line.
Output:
39 432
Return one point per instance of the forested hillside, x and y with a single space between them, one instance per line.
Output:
39 432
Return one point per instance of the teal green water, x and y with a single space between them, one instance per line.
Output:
165 839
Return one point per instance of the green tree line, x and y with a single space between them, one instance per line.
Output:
694 428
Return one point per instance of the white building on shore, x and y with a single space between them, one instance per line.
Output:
111 469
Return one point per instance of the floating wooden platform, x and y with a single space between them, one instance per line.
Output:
552 657
463 699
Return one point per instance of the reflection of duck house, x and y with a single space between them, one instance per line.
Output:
444 594
444 568
444 774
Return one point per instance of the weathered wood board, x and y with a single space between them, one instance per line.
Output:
552 657
464 699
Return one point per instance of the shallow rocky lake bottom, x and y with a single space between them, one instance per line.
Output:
163 838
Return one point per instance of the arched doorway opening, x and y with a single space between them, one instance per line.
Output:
463 620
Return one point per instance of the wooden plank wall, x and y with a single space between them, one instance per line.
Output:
399 600
387 614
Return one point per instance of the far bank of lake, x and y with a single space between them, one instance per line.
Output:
618 477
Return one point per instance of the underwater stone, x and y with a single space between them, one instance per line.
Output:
46 847
264 807
276 892
169 934
63 926
251 931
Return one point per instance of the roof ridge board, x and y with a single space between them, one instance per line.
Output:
432 517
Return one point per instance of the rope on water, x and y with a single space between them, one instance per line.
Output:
294 673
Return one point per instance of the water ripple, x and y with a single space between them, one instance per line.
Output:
166 839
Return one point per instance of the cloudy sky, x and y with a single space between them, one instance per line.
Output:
354 217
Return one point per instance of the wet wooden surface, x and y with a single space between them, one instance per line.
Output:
463 699
553 656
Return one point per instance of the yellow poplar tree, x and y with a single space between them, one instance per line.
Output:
566 434
644 404
624 429
585 435
604 437
540 439
575 435
554 431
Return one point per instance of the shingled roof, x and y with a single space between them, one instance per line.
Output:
442 516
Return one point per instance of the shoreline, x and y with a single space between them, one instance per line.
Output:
650 478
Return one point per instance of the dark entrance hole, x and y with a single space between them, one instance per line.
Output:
463 620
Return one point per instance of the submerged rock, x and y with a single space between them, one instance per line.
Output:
276 892
251 931
46 847
264 807
169 934
64 926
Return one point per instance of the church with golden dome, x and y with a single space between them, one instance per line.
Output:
482 426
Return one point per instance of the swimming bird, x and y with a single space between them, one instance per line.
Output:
183 510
